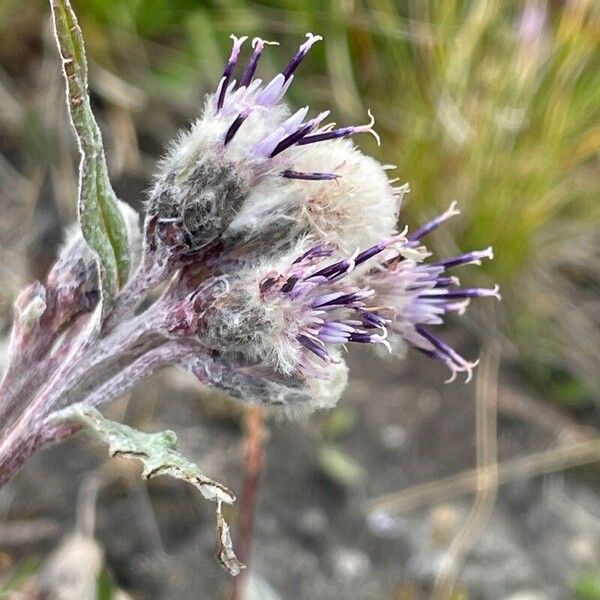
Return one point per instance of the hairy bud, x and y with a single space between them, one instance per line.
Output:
73 284
196 198
293 316
259 178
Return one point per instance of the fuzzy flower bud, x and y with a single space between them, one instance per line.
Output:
73 284
256 176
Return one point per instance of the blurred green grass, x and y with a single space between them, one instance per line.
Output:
494 103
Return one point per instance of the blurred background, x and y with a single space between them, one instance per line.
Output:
409 488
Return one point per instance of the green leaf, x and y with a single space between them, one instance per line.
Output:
587 586
156 451
100 215
159 456
339 466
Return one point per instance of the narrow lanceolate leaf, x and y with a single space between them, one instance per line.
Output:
159 456
100 217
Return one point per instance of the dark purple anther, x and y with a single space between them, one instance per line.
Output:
433 224
332 271
297 135
446 281
340 300
299 56
289 174
373 320
361 338
289 285
314 347
235 52
470 258
328 135
317 251
258 44
463 293
447 354
291 139
236 125
341 133
374 250
439 344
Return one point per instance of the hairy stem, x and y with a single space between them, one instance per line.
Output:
145 278
169 353
21 384
100 369
18 450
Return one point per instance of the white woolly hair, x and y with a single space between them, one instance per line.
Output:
274 343
354 211
134 236
359 208
327 392
321 394
204 139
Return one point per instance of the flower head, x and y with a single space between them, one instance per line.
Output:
295 315
283 194
421 294
250 171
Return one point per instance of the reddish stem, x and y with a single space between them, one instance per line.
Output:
15 455
254 438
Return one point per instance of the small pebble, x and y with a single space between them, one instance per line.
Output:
349 563
393 437
313 522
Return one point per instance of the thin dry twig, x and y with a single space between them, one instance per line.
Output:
449 488
487 477
254 463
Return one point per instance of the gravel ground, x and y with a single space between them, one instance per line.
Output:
315 536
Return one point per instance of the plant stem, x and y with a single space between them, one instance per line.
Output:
254 437
98 370
146 277
14 453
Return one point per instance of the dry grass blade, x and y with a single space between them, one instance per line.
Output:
487 477
448 488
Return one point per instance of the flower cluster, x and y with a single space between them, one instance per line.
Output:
276 243
305 255
259 178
